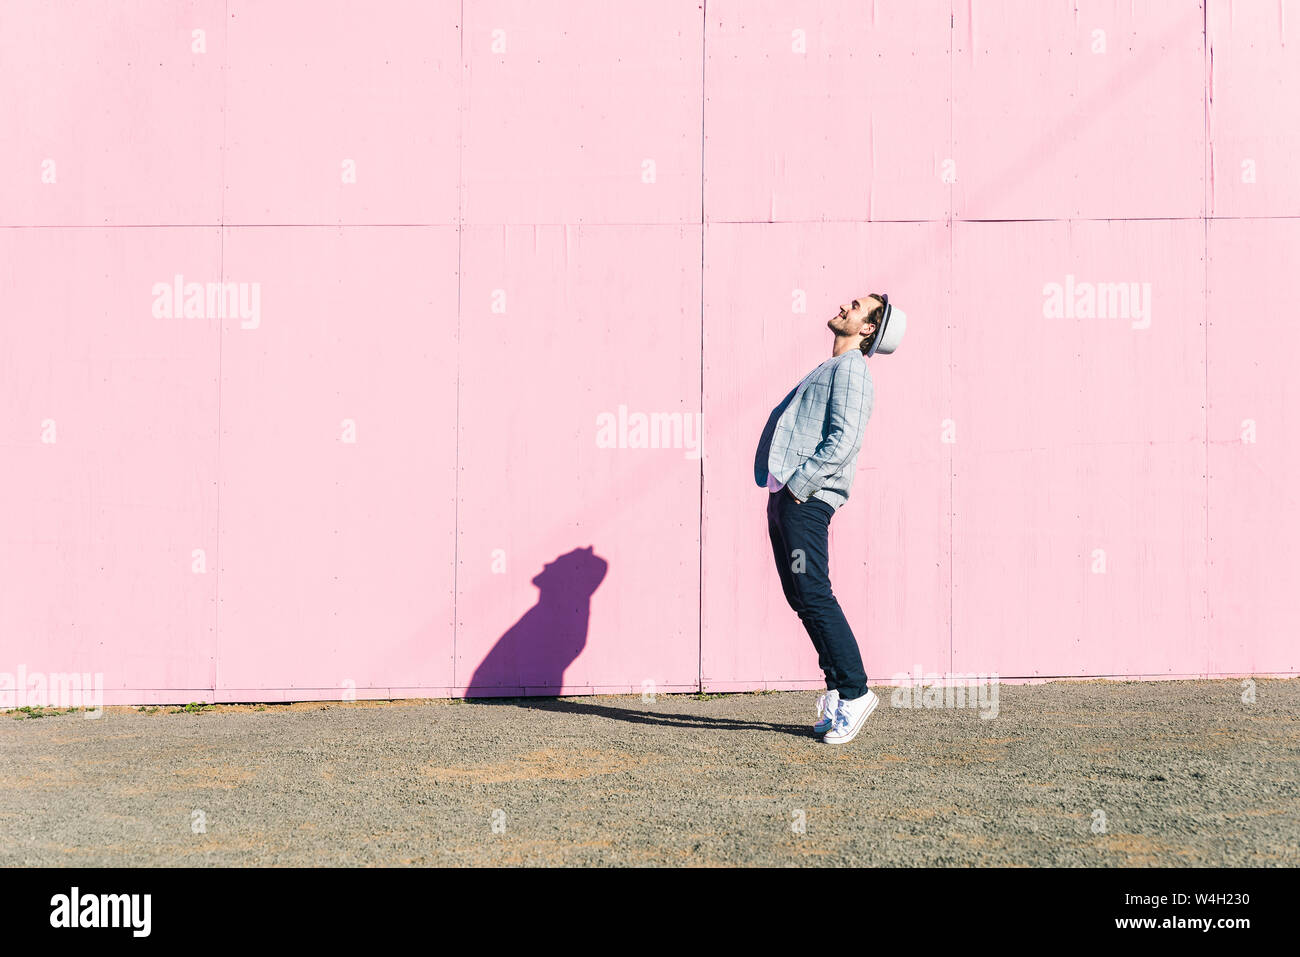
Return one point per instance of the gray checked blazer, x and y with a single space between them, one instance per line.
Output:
812 438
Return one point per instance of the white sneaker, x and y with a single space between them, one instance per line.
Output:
850 717
827 705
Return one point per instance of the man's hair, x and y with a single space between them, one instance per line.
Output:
873 316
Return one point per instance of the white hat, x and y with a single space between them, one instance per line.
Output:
893 323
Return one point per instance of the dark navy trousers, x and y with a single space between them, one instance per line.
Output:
800 534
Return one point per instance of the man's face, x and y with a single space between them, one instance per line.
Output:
851 320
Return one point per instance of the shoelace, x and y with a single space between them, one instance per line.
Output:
822 711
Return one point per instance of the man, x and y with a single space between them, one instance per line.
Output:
806 458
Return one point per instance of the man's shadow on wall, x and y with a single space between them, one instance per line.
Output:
534 653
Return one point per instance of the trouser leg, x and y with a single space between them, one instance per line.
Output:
781 553
805 532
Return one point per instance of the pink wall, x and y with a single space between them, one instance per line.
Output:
391 475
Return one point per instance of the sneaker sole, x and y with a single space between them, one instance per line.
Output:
853 732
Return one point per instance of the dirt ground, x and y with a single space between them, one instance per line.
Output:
1067 773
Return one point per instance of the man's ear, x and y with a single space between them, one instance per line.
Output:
868 332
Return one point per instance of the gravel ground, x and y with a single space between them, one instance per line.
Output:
1184 773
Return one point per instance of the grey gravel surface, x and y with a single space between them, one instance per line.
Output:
1068 773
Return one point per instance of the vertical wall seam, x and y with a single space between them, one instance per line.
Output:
1207 197
952 19
460 284
221 338
699 627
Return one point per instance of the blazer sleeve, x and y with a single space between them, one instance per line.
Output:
848 410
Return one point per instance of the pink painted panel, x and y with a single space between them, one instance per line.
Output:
343 112
1254 436
108 421
581 111
1254 133
111 115
578 546
826 111
338 451
521 254
1047 125
1078 460
768 294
